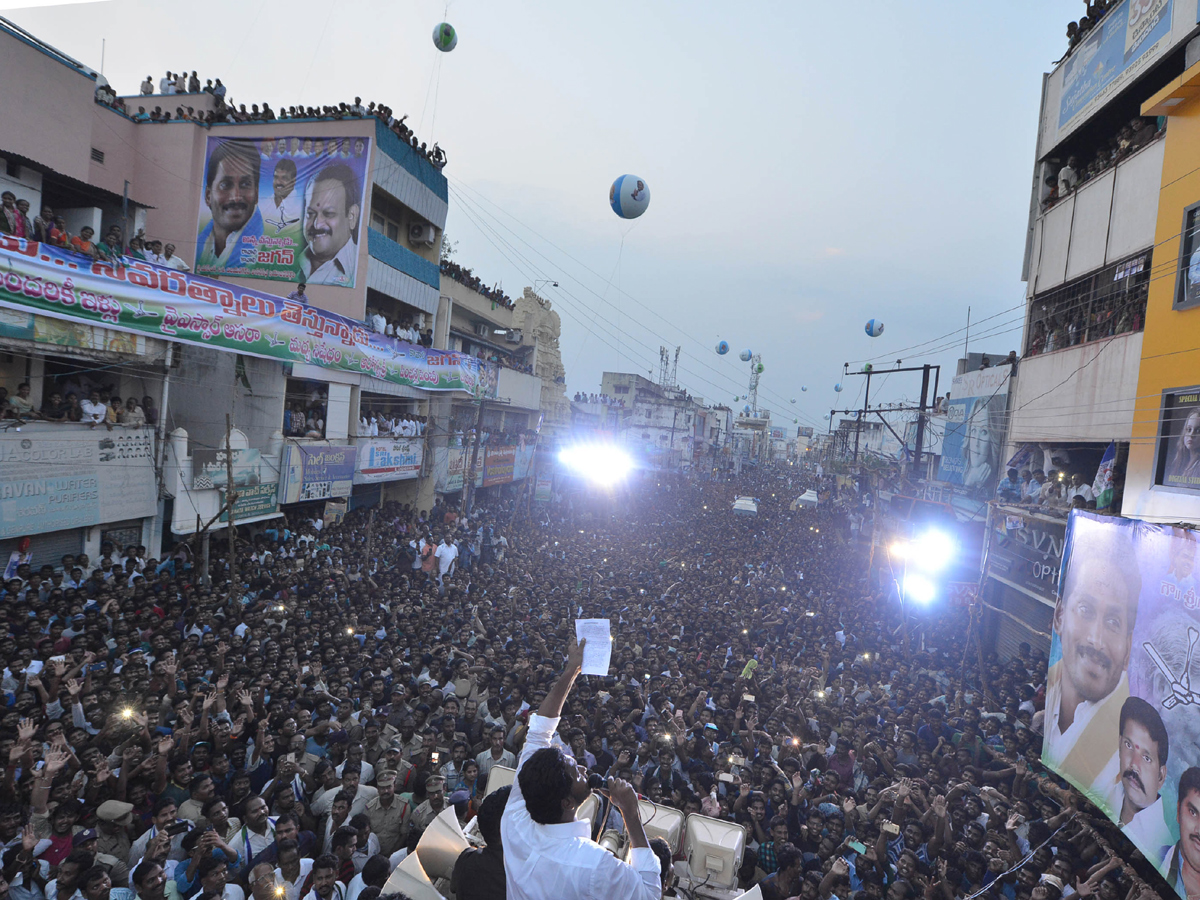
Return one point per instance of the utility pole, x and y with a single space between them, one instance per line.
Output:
469 475
862 415
370 537
205 575
920 439
230 500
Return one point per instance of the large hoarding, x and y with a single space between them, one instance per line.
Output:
1121 721
975 429
316 472
140 298
283 208
71 476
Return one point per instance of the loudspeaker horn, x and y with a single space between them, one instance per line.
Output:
410 879
441 844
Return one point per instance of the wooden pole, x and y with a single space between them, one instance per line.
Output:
230 500
370 538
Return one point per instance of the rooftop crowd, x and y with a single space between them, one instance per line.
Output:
226 111
166 738
466 277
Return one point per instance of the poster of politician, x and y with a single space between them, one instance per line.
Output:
1178 453
1122 718
283 209
974 433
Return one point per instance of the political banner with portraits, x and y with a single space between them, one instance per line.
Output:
1122 718
283 209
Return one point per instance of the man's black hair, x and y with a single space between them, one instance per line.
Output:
1189 783
326 861
545 783
490 812
240 150
1147 716
787 856
663 851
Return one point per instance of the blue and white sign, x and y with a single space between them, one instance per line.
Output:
975 429
1128 38
387 459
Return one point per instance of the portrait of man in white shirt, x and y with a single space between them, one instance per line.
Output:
1094 621
331 213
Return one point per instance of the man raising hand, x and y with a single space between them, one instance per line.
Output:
548 855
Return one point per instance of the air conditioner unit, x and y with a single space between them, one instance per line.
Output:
421 234
481 330
513 336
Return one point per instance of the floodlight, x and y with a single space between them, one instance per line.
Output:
931 551
918 589
602 464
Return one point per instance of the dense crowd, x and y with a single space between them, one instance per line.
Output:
171 738
226 111
467 278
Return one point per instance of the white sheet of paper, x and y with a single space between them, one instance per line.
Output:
598 652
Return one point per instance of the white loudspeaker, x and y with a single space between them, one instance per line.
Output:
498 777
755 893
410 879
441 844
588 810
662 822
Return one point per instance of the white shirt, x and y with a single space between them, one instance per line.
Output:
175 262
1059 744
446 554
93 412
291 889
284 214
1146 829
339 270
368 771
561 862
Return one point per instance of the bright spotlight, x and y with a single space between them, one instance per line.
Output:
918 589
932 551
602 464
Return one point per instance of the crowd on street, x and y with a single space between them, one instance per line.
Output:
293 734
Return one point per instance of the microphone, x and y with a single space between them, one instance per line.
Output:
595 781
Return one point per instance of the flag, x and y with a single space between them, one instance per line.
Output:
1102 487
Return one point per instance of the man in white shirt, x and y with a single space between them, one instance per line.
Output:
166 84
331 212
548 854
284 209
1094 620
172 261
1133 784
446 554
93 410
1079 488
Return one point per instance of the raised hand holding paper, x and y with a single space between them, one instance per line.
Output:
598 651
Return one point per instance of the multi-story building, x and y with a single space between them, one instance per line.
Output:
1091 250
658 423
1106 341
327 390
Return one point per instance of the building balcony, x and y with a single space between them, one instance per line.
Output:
1079 393
519 389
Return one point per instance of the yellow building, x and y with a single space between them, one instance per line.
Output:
1162 480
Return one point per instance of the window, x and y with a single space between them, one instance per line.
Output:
97 155
621 389
1187 286
385 226
1106 303
304 408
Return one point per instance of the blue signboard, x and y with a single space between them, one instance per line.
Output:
1123 37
